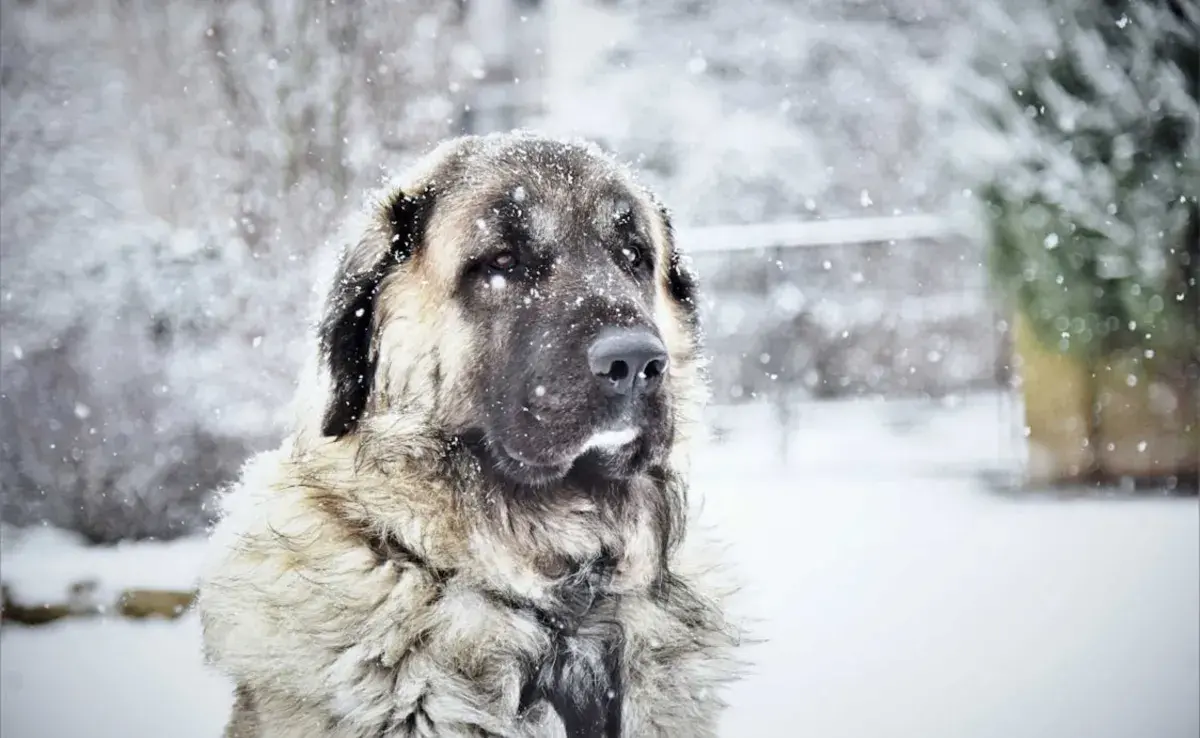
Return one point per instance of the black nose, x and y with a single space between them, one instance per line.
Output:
628 360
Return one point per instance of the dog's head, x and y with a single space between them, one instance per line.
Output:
524 295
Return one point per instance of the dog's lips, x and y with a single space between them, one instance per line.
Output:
524 460
608 453
613 441
518 466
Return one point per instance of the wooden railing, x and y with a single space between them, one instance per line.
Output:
814 233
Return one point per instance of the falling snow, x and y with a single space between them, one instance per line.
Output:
164 224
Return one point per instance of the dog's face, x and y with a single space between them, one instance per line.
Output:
530 300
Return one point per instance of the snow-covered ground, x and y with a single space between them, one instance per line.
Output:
898 593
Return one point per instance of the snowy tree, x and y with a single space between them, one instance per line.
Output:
1088 168
170 173
1092 183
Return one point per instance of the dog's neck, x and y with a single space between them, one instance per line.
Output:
624 528
533 540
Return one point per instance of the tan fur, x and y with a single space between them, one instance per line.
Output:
374 585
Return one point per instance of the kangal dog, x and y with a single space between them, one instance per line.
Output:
479 525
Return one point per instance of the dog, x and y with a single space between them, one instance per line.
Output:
478 525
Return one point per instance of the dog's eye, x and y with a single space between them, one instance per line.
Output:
503 261
632 254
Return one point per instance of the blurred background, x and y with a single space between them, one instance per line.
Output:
949 253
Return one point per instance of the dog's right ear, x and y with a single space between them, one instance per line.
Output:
349 319
681 282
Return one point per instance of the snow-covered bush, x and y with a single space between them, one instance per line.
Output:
170 170
1089 167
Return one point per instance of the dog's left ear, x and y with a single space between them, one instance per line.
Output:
681 281
348 322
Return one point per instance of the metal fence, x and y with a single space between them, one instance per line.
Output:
874 306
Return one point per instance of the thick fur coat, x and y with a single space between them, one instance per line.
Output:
438 548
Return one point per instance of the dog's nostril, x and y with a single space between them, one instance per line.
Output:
618 371
629 360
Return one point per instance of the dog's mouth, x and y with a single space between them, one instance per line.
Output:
604 453
526 471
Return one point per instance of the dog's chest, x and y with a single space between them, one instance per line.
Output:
483 636
580 676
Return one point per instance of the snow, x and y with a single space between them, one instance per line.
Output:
40 565
900 594
109 679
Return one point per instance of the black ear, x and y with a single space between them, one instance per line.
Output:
681 281
345 330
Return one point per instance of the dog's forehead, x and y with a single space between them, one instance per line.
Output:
556 189
559 214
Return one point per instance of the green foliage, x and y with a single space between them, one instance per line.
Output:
1093 217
